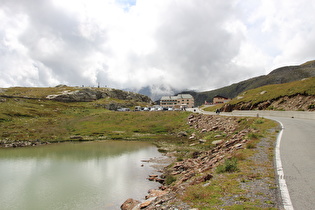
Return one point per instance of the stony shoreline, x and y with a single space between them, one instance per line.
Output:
21 143
199 170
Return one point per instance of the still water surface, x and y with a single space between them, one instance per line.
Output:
92 175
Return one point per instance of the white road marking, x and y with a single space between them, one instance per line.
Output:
285 196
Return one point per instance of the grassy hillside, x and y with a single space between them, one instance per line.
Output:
35 92
277 76
26 114
270 93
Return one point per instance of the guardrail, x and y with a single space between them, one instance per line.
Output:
290 114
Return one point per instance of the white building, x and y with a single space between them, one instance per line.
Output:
179 101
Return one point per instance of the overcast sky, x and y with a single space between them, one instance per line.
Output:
183 44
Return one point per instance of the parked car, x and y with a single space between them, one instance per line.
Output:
170 109
123 110
146 109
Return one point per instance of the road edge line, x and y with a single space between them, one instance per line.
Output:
284 192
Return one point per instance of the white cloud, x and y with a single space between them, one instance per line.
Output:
172 44
283 31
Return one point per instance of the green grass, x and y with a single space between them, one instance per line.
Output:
28 119
126 124
213 108
22 118
36 92
230 165
231 173
271 92
304 87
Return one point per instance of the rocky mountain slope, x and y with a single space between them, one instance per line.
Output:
277 76
292 96
64 93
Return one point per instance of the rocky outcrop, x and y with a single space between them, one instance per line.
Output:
206 123
84 95
294 103
297 102
92 94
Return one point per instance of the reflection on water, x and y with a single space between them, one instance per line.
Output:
94 175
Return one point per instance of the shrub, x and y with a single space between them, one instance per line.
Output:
252 136
169 179
230 165
259 121
250 145
312 106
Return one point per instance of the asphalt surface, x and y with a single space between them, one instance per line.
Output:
297 154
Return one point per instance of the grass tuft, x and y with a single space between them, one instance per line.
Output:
230 166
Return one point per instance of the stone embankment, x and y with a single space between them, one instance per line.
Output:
199 168
8 143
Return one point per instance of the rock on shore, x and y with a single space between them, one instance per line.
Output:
9 143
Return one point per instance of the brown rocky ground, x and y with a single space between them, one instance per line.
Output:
294 103
297 102
256 182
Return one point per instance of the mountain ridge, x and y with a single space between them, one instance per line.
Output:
277 76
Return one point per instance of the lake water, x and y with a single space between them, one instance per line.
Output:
91 175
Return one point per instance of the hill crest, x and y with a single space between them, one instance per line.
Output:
278 76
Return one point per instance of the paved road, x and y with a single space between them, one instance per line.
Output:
297 153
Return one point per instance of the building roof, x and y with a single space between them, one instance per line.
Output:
184 96
218 96
179 96
169 98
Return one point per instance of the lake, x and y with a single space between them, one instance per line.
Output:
89 175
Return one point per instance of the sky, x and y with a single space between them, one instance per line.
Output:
163 45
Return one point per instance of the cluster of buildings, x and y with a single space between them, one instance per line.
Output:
182 101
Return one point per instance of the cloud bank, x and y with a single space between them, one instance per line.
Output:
161 44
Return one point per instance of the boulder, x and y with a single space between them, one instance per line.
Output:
156 193
145 204
217 142
129 204
182 134
201 141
